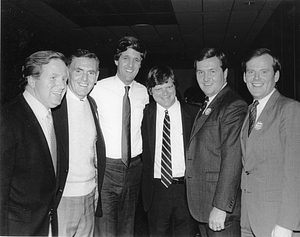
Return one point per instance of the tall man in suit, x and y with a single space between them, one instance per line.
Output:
214 160
28 152
271 164
83 147
168 213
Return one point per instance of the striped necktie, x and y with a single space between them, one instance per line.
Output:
166 160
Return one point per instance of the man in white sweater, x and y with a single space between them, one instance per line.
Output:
83 147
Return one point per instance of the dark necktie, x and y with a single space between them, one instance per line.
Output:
126 138
52 145
202 108
166 160
252 116
204 104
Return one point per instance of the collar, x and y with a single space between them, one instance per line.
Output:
210 99
38 108
171 109
264 100
73 96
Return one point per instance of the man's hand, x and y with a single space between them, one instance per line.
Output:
279 231
216 219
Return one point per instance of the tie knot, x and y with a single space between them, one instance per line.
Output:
206 99
127 89
255 103
166 112
49 115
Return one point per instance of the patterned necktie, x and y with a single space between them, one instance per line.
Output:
166 160
204 105
52 145
252 116
126 143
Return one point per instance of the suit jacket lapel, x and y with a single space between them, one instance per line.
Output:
262 122
186 121
34 125
151 127
60 117
198 123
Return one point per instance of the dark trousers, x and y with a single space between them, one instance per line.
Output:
119 197
169 214
232 229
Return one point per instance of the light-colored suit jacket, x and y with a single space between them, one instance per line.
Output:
271 174
213 163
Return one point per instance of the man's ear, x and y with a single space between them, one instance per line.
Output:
116 62
225 74
31 81
276 76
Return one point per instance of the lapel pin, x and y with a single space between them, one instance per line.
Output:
207 111
258 125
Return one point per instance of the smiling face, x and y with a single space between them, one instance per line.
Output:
83 76
164 94
50 87
210 75
128 64
260 77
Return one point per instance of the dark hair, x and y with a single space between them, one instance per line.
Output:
33 64
210 53
259 52
83 53
130 42
159 75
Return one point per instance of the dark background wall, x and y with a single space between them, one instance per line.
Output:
281 34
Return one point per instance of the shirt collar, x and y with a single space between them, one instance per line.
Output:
38 108
73 96
210 99
172 108
264 100
121 85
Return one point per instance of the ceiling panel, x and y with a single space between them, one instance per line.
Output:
167 27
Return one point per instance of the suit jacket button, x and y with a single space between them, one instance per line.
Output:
247 172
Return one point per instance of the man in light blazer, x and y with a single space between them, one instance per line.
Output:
271 153
83 148
28 166
214 159
167 209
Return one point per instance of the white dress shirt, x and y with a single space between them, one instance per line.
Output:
108 94
177 149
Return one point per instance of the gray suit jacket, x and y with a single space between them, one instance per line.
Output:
214 159
271 174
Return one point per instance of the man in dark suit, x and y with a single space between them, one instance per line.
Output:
166 204
214 160
28 152
271 173
78 129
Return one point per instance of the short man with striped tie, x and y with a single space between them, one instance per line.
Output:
166 129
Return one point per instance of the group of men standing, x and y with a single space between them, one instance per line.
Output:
75 155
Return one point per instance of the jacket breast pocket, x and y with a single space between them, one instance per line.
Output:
19 214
